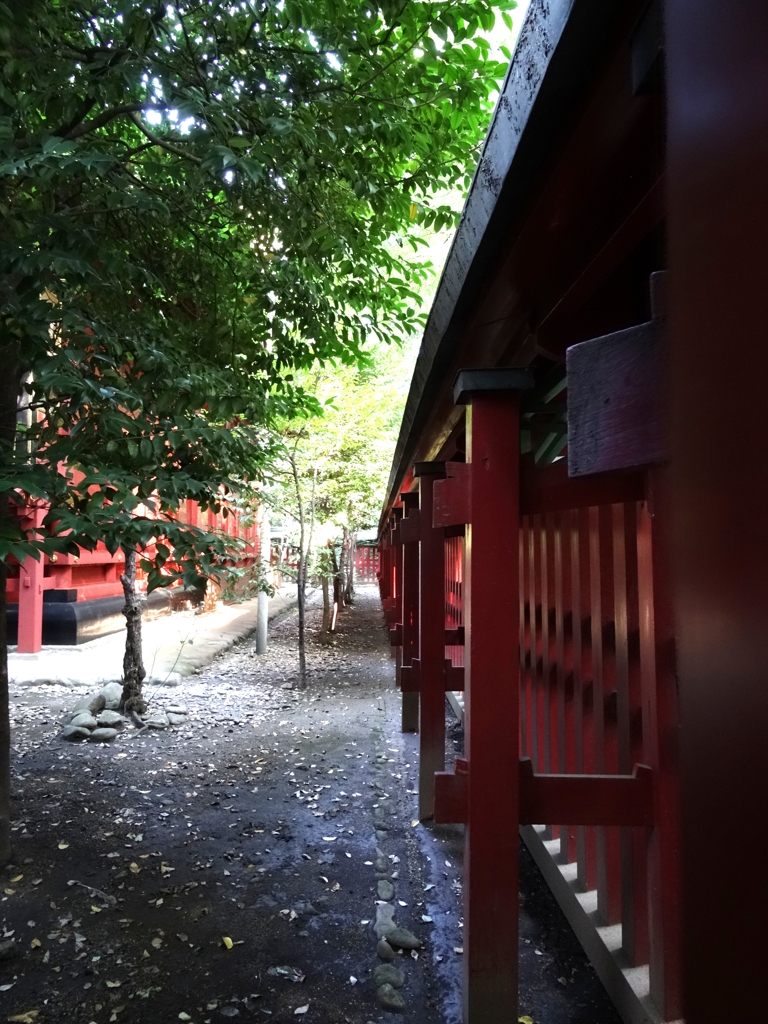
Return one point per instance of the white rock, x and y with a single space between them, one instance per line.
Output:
84 720
112 693
110 719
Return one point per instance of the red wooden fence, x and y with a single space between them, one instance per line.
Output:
595 698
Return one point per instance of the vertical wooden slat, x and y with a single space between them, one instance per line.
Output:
607 840
545 757
533 644
431 642
525 641
564 661
585 625
634 915
575 531
658 681
410 624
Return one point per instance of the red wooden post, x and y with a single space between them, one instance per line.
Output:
718 221
410 615
30 628
431 671
492 680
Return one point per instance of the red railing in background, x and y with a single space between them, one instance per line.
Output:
366 563
454 595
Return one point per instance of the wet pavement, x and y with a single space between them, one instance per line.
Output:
230 868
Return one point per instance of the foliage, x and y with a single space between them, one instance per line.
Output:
344 454
212 190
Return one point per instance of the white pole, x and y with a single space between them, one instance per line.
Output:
262 620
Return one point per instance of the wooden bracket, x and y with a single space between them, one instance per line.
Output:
409 529
586 799
454 677
454 637
396 635
615 407
409 677
452 496
452 794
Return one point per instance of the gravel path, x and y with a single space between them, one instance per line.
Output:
237 866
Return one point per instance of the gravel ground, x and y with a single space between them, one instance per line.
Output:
231 867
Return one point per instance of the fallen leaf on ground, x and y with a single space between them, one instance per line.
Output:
63 846
134 867
300 1009
18 878
525 1020
26 1017
227 941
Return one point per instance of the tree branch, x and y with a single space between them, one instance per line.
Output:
168 146
98 122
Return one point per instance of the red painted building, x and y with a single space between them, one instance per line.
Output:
69 599
574 535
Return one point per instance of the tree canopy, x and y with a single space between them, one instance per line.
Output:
241 184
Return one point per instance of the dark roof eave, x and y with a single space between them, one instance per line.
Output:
557 42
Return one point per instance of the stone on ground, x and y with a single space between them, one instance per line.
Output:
84 720
102 735
388 974
74 733
403 939
157 720
385 923
384 951
389 999
110 719
112 694
385 889
174 719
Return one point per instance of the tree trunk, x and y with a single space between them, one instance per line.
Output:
348 564
325 628
300 601
301 578
5 726
10 383
336 587
133 662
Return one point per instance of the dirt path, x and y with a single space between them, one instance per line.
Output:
265 824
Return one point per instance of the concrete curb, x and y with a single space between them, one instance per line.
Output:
175 646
